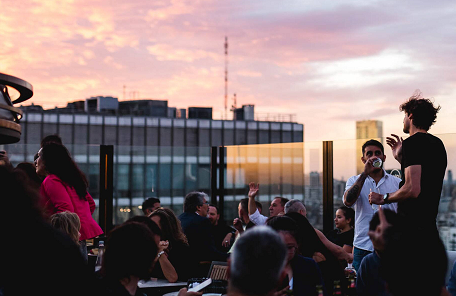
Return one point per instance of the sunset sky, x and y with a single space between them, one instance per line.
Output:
329 62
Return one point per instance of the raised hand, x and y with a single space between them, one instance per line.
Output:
253 189
396 146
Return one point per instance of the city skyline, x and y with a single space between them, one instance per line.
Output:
330 63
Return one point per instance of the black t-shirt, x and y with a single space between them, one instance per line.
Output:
341 238
428 151
220 231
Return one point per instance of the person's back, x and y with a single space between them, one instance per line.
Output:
428 151
197 228
35 258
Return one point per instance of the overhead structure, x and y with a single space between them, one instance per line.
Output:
10 129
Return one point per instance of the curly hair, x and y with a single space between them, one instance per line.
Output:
423 111
170 226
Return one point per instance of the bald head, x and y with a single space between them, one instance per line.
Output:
295 206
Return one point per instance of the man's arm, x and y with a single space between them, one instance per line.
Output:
410 189
253 191
337 251
352 194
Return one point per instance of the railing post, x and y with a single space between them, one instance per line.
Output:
221 191
214 167
106 187
328 181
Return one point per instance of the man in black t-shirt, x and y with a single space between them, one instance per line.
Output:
223 234
423 161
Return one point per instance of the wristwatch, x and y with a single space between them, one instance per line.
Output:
160 253
385 198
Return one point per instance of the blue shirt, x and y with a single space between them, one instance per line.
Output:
368 280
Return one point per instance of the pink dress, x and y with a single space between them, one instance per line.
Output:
58 196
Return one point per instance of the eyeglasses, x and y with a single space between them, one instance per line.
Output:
292 248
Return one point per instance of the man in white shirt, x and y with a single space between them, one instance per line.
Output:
357 189
277 206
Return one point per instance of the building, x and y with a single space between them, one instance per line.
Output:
155 155
246 113
366 130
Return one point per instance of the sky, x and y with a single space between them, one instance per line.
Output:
328 62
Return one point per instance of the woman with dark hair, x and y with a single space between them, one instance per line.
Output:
130 252
65 189
344 233
303 274
311 246
174 258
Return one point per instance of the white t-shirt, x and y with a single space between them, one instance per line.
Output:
364 211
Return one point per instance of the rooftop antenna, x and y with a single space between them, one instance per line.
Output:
234 106
226 76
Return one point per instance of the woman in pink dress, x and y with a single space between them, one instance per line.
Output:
65 189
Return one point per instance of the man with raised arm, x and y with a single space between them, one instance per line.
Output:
423 162
277 206
357 189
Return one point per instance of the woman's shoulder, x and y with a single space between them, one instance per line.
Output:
51 178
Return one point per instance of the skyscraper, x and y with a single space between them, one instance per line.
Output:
366 130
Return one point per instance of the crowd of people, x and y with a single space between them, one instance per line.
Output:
45 251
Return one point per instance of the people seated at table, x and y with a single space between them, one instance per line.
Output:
223 234
68 223
277 206
197 228
344 233
257 263
302 273
311 246
65 189
130 252
369 281
36 259
150 205
175 260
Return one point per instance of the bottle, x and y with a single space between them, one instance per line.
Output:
350 272
337 289
99 256
319 290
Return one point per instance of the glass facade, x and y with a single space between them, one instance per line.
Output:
292 170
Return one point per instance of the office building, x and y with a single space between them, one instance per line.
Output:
366 130
155 155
